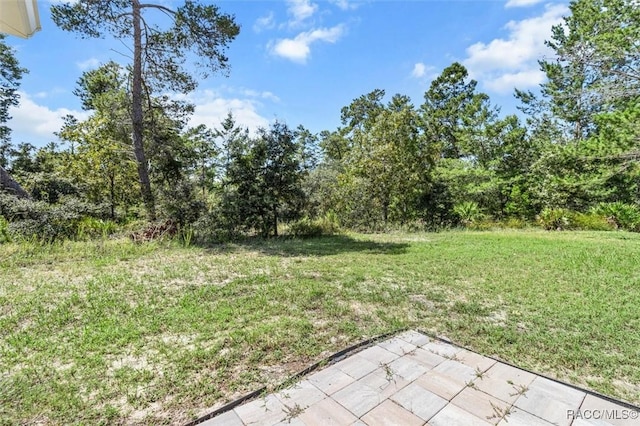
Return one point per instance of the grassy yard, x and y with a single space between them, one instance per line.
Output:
112 332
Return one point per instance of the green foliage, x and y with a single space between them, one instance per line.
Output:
591 222
308 228
555 219
4 231
9 83
263 184
194 31
620 215
468 212
29 219
179 203
90 227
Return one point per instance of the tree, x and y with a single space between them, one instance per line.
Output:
597 62
386 160
10 76
158 55
454 113
264 179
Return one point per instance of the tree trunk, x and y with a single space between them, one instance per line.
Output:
137 119
7 183
275 220
112 195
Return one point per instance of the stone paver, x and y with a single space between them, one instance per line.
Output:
327 412
358 398
390 414
419 401
452 415
550 400
412 379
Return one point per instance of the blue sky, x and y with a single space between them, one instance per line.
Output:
301 61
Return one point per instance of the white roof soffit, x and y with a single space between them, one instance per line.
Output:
19 17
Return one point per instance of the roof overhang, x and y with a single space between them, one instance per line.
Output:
19 17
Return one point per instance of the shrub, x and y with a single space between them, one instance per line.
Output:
307 228
468 212
90 227
39 220
4 231
591 222
555 219
620 215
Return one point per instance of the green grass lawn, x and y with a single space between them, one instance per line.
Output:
112 332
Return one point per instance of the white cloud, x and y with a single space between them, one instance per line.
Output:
419 70
505 61
506 82
300 10
211 109
90 63
345 4
264 23
34 122
522 3
298 48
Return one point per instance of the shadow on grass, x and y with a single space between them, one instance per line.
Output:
320 246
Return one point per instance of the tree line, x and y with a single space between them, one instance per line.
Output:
569 160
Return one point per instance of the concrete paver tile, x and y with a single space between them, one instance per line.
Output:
303 394
407 368
357 398
441 348
331 380
378 355
263 411
327 412
391 414
452 415
600 411
397 346
384 384
414 338
474 360
441 384
291 421
230 418
504 382
356 366
550 401
482 405
426 358
518 417
456 370
419 401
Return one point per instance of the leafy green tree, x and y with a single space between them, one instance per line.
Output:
454 114
10 75
158 55
264 180
386 160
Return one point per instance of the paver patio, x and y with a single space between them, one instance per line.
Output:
412 379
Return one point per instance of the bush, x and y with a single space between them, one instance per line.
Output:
307 228
620 215
39 220
4 231
90 227
468 212
555 219
591 222
211 228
